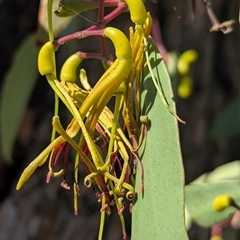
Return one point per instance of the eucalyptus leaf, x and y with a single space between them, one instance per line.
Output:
159 210
73 8
227 124
199 199
228 171
58 23
16 91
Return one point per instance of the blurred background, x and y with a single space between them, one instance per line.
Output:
212 112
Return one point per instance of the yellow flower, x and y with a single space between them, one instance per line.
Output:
109 168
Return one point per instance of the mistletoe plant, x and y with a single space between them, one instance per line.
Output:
138 138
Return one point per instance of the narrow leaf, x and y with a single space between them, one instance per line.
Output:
159 211
228 171
59 23
17 89
199 199
227 124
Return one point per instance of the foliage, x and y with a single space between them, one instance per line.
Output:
19 82
201 193
227 123
161 157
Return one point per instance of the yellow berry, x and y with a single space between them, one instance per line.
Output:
222 202
185 60
183 67
189 56
185 87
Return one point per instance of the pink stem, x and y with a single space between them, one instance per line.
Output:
216 229
89 55
91 31
77 35
157 36
100 21
57 154
100 11
66 157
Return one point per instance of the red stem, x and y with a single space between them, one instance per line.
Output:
93 30
217 229
100 11
157 36
66 157
77 35
100 21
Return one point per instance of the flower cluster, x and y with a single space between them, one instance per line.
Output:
110 166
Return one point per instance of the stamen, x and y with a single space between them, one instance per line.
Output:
65 185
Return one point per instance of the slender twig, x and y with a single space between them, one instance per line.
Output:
76 35
103 44
157 36
100 11
226 26
156 31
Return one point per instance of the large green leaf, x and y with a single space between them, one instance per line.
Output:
17 89
199 199
159 211
227 124
228 171
58 23
201 192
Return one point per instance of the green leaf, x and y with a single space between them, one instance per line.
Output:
227 124
59 23
73 8
159 211
228 171
199 198
17 89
